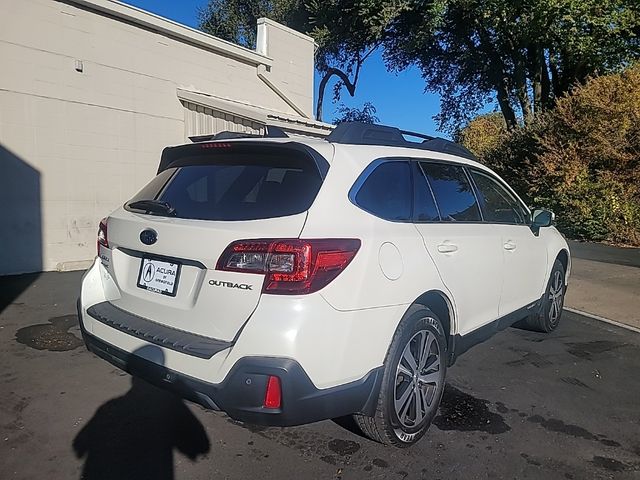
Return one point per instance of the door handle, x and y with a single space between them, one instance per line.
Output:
509 245
447 248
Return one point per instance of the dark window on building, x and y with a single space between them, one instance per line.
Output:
452 191
498 205
387 191
424 206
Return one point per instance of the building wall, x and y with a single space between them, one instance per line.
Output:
74 145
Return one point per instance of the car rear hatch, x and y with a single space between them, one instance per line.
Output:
165 242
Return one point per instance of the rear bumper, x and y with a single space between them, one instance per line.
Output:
241 393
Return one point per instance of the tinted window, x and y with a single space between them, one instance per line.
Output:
387 191
237 187
151 189
452 191
424 207
498 205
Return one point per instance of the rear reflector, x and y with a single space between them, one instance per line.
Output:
291 266
273 394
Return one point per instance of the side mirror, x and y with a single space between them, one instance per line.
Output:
541 218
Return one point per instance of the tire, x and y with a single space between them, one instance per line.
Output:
547 318
397 421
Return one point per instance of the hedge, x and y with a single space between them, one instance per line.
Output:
581 159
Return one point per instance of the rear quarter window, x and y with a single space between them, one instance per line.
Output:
387 191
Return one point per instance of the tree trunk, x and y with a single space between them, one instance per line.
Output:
502 94
520 79
351 87
497 76
537 93
536 79
539 79
555 75
544 77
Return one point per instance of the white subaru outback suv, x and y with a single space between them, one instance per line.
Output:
290 280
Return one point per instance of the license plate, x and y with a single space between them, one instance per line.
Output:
159 276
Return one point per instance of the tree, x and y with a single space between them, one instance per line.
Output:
482 134
347 31
366 114
523 54
581 159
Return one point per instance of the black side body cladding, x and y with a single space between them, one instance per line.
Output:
459 344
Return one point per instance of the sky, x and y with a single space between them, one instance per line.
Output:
399 98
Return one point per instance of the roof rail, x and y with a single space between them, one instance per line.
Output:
360 133
269 132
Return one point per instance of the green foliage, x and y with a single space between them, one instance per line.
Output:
347 32
524 54
582 159
366 114
482 134
236 20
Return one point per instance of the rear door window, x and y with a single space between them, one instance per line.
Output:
452 191
235 186
387 191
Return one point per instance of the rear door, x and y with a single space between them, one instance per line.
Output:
212 196
525 254
466 251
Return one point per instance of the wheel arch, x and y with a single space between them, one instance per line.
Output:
565 259
440 304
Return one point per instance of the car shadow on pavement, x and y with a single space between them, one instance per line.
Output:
134 436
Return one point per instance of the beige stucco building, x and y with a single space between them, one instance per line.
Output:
90 93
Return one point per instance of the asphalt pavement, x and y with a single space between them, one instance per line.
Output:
522 405
605 281
599 252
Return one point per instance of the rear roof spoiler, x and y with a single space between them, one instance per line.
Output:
175 156
269 132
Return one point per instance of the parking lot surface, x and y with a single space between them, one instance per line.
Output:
522 405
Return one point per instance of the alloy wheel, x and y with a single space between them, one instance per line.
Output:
556 293
417 380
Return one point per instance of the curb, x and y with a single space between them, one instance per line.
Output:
602 319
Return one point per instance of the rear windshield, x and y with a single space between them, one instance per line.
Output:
233 186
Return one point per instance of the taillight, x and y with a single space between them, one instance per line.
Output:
292 266
102 235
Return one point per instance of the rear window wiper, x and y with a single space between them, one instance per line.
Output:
155 206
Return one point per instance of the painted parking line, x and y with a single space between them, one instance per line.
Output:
602 319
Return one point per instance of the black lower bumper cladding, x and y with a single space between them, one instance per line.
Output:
241 393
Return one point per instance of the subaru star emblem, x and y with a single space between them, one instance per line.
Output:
148 236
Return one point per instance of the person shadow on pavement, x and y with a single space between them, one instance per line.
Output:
134 436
